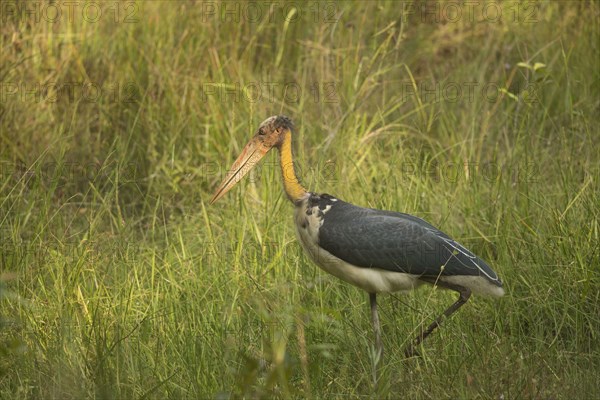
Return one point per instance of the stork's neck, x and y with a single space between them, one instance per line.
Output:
294 190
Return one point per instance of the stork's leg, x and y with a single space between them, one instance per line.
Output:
464 294
376 326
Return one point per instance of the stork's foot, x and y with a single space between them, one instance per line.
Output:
378 343
464 294
411 352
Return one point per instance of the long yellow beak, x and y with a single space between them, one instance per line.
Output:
250 156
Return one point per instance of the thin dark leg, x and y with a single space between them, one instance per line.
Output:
464 294
377 330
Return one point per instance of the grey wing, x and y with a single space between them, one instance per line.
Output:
396 242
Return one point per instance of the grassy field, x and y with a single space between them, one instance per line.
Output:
118 120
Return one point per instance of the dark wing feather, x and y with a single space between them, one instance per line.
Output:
396 242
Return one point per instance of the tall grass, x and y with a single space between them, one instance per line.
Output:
119 281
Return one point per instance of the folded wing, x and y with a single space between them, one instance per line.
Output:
396 242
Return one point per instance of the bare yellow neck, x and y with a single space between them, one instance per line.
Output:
291 185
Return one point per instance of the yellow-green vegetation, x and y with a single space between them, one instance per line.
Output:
118 119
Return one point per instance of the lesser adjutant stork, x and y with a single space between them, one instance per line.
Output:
378 251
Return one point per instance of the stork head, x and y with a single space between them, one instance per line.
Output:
270 133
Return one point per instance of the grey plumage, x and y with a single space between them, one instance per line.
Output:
394 241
